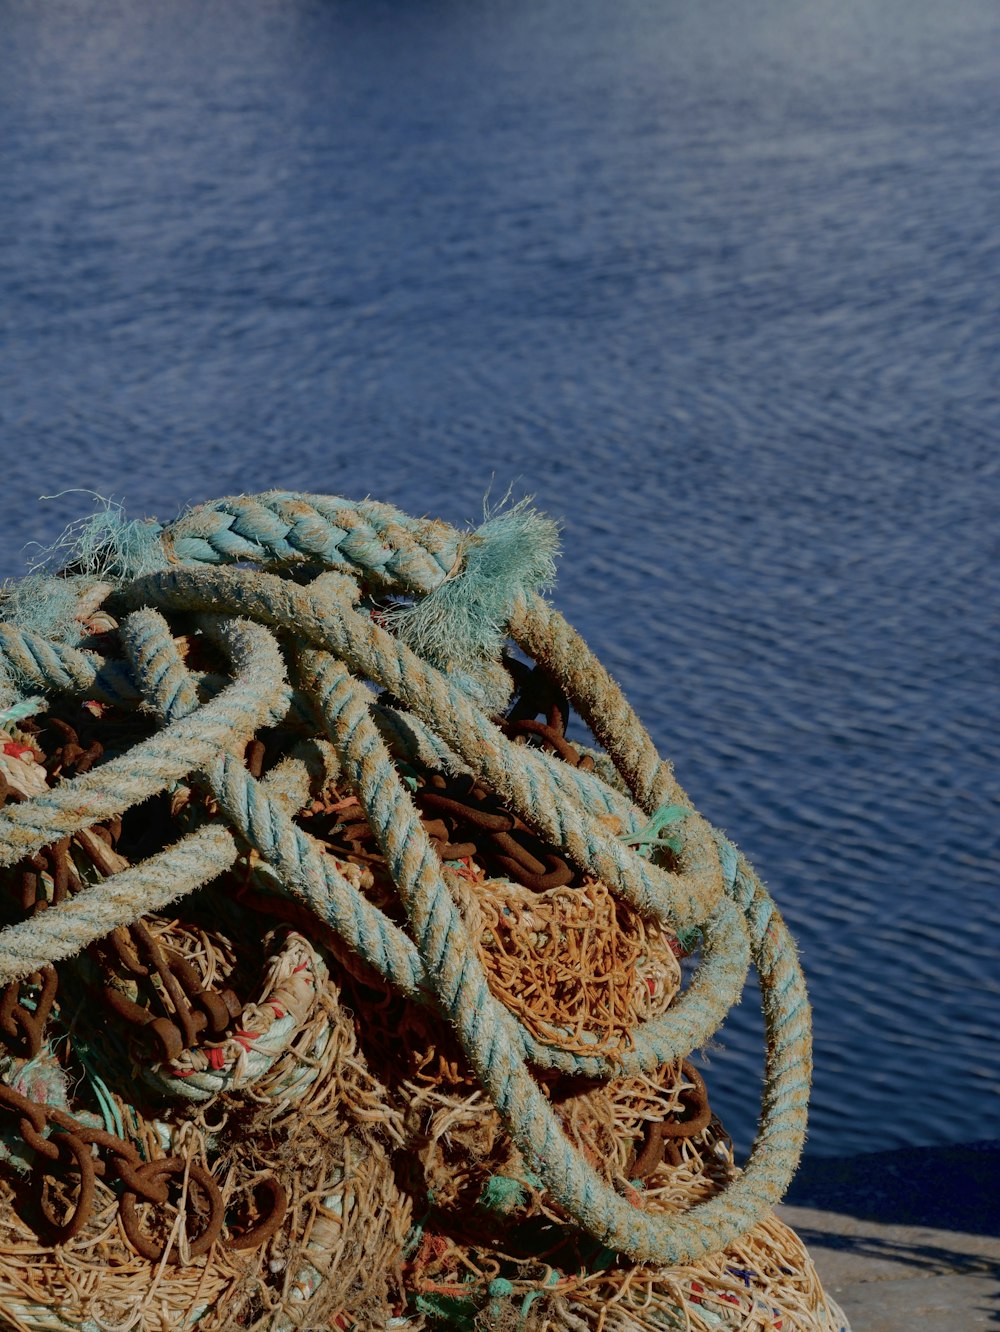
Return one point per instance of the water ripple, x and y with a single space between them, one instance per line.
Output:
718 286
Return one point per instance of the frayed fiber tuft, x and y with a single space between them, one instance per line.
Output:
106 545
464 621
45 605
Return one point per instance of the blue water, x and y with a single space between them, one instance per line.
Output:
718 283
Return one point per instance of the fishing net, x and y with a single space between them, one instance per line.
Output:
347 981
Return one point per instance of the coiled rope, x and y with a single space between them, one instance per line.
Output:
299 611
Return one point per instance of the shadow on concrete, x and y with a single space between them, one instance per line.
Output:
929 1258
905 1239
904 1281
939 1188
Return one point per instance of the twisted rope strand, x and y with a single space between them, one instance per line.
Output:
385 547
296 858
259 694
65 929
516 773
489 1036
376 547
545 634
39 663
300 863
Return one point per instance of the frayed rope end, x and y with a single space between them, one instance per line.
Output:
464 620
105 545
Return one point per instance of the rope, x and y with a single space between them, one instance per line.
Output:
302 866
517 774
387 548
258 696
57 668
126 897
333 645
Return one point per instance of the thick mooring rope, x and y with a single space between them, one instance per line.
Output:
299 612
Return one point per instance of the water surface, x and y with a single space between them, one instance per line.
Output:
717 283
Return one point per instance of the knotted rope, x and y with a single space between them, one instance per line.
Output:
302 638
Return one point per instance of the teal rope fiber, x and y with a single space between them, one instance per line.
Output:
18 712
375 549
516 773
488 1033
266 598
38 663
300 864
385 547
259 696
126 897
295 857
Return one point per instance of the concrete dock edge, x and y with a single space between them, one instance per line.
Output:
905 1241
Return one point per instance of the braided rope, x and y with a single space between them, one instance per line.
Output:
153 884
489 1035
57 668
258 695
385 547
297 859
375 547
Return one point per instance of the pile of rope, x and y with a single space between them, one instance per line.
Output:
341 986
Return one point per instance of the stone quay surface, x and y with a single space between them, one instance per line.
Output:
905 1241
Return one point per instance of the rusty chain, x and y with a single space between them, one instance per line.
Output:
662 1137
144 1181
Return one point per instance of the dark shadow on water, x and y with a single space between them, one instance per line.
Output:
942 1188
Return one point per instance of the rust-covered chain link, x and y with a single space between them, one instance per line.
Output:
663 1136
191 1012
72 1143
463 819
23 1028
500 836
70 1147
196 1012
537 693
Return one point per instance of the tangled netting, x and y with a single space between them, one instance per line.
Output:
342 987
